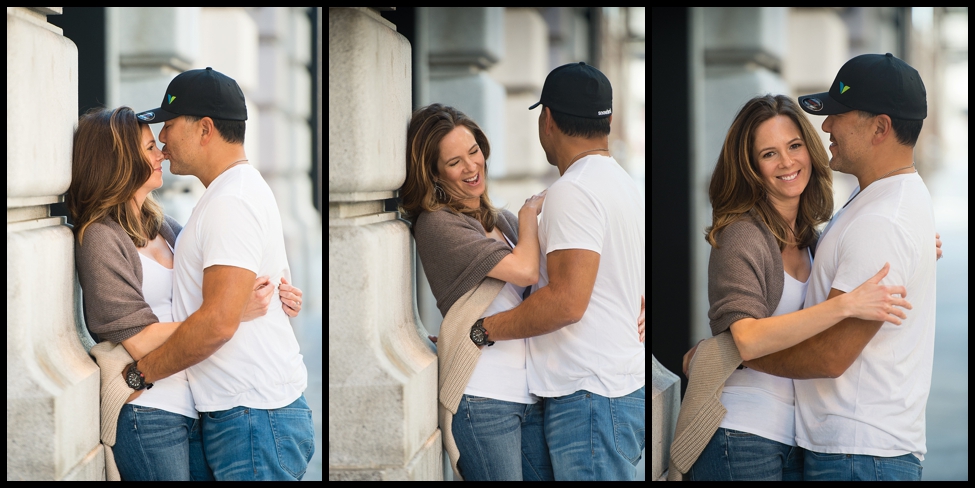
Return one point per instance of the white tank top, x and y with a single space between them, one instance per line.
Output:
171 394
500 372
760 403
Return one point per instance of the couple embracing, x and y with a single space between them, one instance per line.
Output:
820 368
201 374
540 352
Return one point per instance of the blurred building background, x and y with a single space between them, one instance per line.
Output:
707 62
490 63
78 58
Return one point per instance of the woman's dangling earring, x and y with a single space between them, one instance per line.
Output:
438 190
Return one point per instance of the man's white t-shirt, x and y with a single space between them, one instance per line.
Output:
598 207
237 223
877 406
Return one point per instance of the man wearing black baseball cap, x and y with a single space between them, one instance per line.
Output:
246 379
866 420
585 360
212 104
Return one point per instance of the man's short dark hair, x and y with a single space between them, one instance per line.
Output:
573 126
231 131
906 131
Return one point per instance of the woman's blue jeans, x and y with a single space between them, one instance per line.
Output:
501 441
732 455
155 445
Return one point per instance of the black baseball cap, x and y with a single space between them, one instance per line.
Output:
876 83
578 89
201 93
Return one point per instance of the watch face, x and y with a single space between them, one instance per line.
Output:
478 336
132 378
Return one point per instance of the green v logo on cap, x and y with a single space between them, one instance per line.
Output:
171 98
843 88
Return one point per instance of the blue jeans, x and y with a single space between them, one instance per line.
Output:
857 467
246 443
156 445
733 455
500 441
595 438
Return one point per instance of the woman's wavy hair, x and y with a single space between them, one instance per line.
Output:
428 126
107 168
737 186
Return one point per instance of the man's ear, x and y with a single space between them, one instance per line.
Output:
883 128
549 124
207 130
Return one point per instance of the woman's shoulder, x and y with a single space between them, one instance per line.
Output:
102 232
441 218
745 230
103 242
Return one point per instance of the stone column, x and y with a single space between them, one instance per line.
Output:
52 384
666 406
382 377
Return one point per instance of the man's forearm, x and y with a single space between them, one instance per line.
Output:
540 314
825 355
192 342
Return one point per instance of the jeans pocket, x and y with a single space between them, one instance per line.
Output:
141 409
226 415
739 434
571 398
477 399
294 438
629 427
898 468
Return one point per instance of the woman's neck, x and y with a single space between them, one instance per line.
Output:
135 203
472 203
789 211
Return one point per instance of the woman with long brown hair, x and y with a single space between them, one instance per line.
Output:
770 189
479 261
124 252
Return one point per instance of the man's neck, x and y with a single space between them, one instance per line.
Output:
221 165
575 148
900 162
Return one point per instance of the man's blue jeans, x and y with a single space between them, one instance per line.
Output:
246 443
155 445
595 438
500 441
857 467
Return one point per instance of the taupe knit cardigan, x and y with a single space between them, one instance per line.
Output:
110 273
745 279
456 257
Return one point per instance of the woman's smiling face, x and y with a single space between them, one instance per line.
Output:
783 160
461 166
